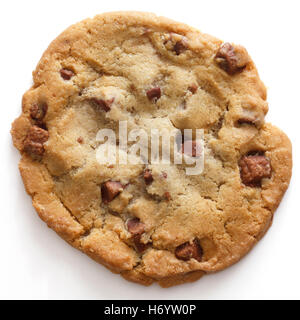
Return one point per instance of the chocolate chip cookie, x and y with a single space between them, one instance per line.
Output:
151 222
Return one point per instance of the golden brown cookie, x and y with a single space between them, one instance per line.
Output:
151 222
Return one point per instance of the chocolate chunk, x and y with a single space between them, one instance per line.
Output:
167 195
254 168
34 148
164 175
34 142
148 177
135 226
110 190
38 111
80 140
104 105
191 148
187 251
154 94
180 46
140 246
228 59
66 74
193 88
37 134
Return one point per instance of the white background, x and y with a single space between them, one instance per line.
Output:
36 264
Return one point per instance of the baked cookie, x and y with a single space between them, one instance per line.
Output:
151 222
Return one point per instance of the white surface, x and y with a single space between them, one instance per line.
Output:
36 263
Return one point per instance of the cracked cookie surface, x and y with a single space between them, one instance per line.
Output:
151 223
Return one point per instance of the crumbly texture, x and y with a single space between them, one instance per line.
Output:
151 223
